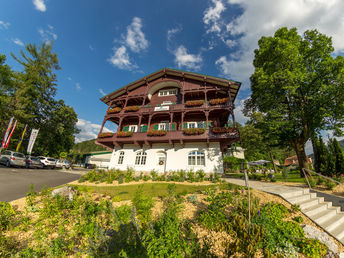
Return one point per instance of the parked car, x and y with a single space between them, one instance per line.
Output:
33 162
48 162
63 163
12 158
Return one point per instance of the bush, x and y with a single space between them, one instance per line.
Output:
129 175
200 175
285 173
6 215
146 178
313 248
330 185
192 199
143 205
298 219
154 175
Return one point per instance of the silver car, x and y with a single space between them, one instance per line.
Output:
63 164
48 162
12 158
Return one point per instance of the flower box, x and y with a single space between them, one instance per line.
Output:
156 132
105 135
124 134
218 130
194 103
131 108
218 101
114 110
194 131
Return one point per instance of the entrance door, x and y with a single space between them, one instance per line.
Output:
161 162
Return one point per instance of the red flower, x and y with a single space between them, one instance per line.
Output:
114 110
194 103
104 135
131 108
124 134
156 132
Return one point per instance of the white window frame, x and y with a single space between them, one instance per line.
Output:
167 92
120 158
141 158
190 124
132 127
196 158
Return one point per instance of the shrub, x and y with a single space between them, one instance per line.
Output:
192 199
285 173
313 248
295 208
129 175
124 212
154 175
298 219
320 180
330 185
190 176
146 177
116 198
143 205
6 216
121 179
200 175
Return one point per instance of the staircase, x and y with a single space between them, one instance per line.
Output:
330 218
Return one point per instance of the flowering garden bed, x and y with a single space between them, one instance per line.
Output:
194 103
218 101
156 132
124 134
194 131
131 108
105 135
114 110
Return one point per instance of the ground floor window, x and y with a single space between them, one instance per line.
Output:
121 157
141 157
196 158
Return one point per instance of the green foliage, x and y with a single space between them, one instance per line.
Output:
330 185
298 219
200 175
154 175
313 248
87 147
192 199
143 205
8 246
295 208
285 172
6 216
129 175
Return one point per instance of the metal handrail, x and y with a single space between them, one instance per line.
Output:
311 171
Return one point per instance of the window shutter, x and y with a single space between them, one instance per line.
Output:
173 126
125 128
205 125
167 126
144 128
185 125
155 127
209 124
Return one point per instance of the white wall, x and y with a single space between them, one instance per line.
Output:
176 158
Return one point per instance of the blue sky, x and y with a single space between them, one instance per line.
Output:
104 45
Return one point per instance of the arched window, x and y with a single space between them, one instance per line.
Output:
196 158
141 157
121 157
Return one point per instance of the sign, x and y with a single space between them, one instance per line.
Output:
162 108
33 136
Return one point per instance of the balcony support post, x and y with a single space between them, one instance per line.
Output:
120 124
149 121
139 126
101 129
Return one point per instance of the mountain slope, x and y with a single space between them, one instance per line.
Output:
87 146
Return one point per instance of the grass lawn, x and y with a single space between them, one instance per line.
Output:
127 192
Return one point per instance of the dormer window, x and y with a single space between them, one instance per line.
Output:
167 92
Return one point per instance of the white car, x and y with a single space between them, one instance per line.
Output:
48 162
63 163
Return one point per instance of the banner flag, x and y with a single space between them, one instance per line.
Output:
32 140
21 139
6 134
9 137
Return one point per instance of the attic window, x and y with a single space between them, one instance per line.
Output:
167 92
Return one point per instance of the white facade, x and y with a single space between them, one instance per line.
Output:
164 158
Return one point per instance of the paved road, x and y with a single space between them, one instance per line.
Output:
15 182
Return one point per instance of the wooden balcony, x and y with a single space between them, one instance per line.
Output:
171 137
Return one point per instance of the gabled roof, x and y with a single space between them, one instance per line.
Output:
234 85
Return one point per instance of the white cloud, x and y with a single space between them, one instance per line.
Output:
4 25
212 16
69 78
39 5
262 18
47 34
135 38
184 59
101 91
77 86
18 42
91 47
238 112
120 59
89 130
172 32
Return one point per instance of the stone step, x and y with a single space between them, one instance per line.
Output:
293 193
333 222
313 210
300 198
338 232
325 215
310 202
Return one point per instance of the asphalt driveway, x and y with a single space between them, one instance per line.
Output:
15 182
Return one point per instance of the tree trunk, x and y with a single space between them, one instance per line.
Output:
301 155
272 160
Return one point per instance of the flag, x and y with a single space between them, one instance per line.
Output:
32 140
6 134
9 137
21 138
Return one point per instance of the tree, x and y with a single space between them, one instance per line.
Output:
298 86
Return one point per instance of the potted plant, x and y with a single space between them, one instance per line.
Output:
114 110
104 135
218 101
131 108
194 103
222 130
194 131
124 134
156 132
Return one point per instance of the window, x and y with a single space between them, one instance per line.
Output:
132 128
162 126
192 125
141 157
196 158
167 92
121 157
